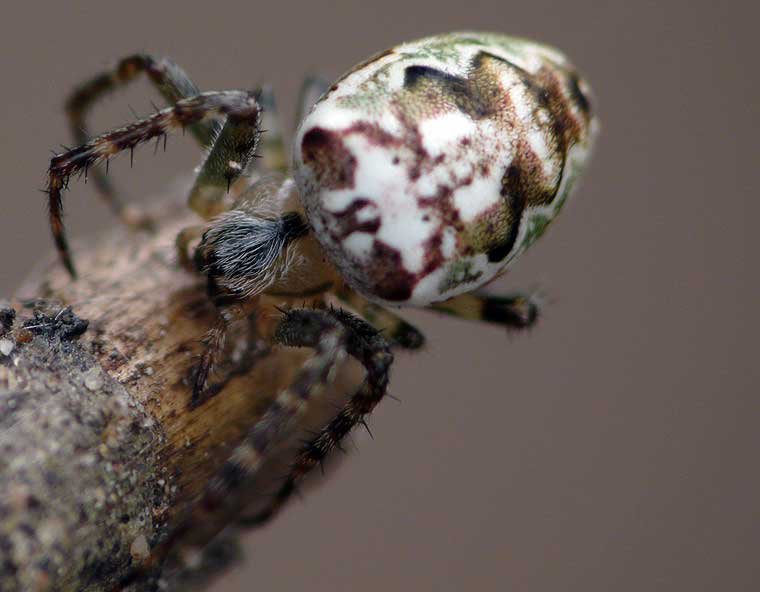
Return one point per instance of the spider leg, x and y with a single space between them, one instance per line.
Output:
514 311
331 340
398 331
168 78
243 116
273 154
332 333
230 310
228 159
227 493
279 499
364 343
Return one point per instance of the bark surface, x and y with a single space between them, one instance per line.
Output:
100 457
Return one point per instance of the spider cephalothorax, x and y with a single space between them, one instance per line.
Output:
416 178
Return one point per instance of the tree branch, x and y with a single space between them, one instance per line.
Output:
100 456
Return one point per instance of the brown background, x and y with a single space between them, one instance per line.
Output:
613 448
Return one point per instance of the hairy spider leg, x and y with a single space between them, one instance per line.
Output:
228 159
243 118
172 83
227 313
399 332
274 157
325 330
366 344
396 330
514 311
227 493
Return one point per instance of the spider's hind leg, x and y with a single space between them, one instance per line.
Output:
514 311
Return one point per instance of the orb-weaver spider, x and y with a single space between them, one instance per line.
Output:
416 178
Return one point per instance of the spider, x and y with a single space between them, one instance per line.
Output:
415 179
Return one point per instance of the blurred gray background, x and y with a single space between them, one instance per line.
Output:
615 446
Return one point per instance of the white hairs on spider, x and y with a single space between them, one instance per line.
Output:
248 253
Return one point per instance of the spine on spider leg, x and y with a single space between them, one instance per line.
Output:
238 106
168 78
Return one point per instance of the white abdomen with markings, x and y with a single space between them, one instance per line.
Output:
426 170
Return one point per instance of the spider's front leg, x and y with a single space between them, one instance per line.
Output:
399 332
230 490
232 150
514 311
332 333
229 310
366 344
172 83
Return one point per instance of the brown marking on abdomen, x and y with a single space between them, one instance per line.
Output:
333 164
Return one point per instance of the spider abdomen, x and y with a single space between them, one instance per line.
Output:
425 170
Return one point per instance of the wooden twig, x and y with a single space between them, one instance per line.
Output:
100 456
